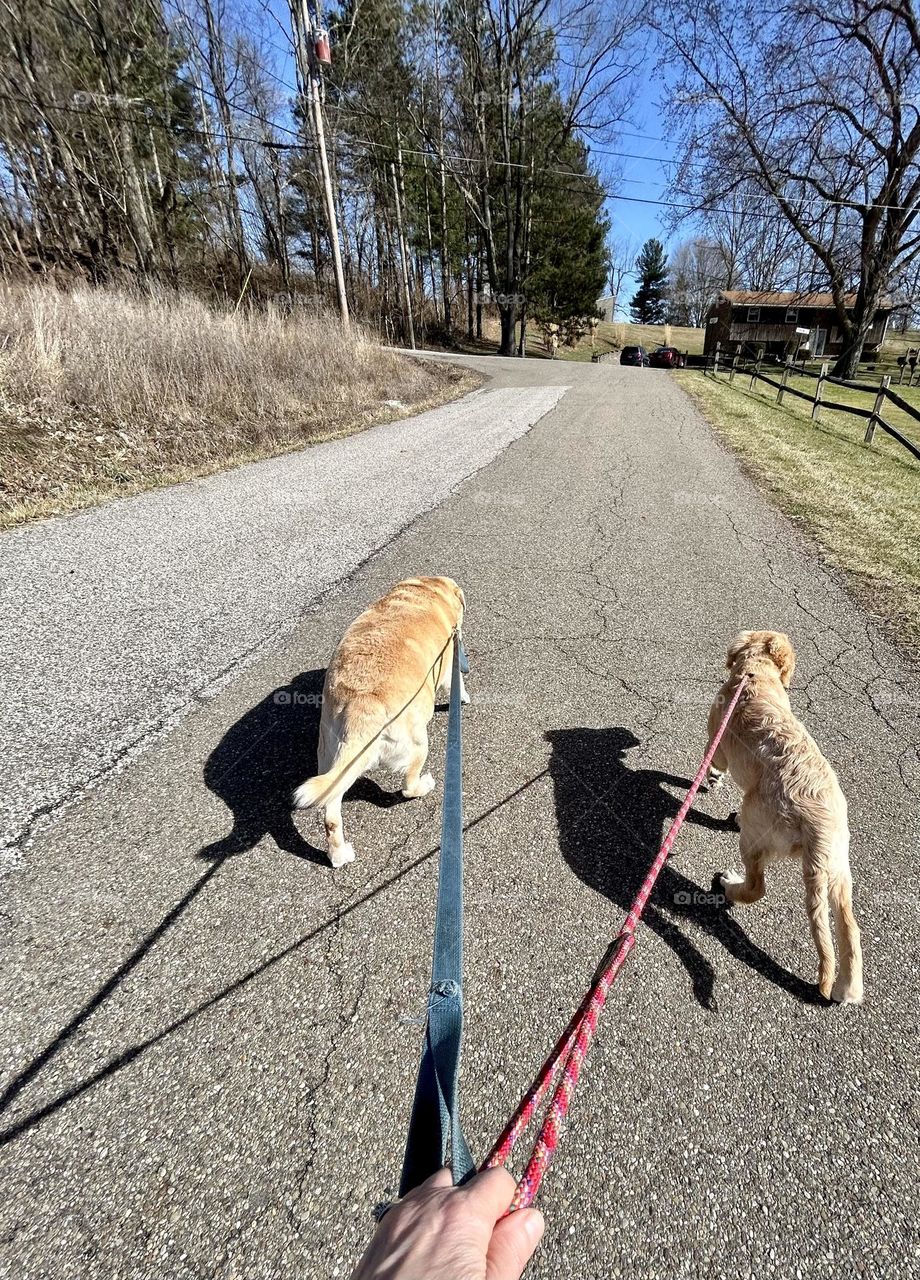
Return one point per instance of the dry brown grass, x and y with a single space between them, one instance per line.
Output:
104 393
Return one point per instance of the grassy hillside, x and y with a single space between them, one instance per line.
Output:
104 393
613 337
609 337
897 344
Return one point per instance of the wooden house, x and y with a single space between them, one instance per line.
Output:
782 324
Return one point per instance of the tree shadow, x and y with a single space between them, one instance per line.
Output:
261 759
611 824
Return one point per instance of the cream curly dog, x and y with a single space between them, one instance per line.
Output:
793 805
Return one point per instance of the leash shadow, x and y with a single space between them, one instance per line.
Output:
261 759
611 821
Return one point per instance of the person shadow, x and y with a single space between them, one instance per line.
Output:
262 758
611 821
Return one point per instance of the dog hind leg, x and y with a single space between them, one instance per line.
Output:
817 906
848 989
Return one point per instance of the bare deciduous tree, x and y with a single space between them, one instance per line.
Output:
622 253
816 108
698 272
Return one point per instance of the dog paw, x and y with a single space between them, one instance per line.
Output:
464 697
342 856
826 984
720 898
727 878
423 787
714 779
847 991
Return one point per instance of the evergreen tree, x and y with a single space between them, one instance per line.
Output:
650 301
569 257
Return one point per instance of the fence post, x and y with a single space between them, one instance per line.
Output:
877 410
819 392
715 360
731 376
755 371
785 379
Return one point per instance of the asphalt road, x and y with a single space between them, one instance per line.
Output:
114 622
210 1038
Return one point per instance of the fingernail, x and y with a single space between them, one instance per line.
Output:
534 1226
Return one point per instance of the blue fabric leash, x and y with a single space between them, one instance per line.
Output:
436 1109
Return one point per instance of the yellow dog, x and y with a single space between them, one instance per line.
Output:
379 696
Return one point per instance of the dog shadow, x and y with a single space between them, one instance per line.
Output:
262 758
611 823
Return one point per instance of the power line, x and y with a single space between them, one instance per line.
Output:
184 130
450 158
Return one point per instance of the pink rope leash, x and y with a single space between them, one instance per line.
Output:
572 1048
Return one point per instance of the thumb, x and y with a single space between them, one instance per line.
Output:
513 1242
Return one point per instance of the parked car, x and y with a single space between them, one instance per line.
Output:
667 358
634 355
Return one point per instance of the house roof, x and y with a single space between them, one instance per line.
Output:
771 298
781 298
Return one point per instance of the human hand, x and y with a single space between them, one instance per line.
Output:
443 1232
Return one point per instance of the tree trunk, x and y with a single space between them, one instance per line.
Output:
506 316
522 339
847 363
470 290
442 178
855 334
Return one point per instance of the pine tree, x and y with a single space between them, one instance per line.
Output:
650 301
569 258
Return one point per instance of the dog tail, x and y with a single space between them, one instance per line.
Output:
352 761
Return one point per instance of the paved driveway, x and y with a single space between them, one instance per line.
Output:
210 1038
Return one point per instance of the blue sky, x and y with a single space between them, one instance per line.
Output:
641 179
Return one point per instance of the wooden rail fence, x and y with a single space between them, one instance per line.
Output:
733 365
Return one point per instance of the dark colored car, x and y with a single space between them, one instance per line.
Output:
634 355
667 358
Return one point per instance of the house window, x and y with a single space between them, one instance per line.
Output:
792 315
753 315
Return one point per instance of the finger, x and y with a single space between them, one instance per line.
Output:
443 1178
489 1193
435 1182
513 1242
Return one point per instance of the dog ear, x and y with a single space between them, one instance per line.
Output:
780 650
737 647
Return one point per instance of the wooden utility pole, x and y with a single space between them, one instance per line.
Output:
306 29
403 258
